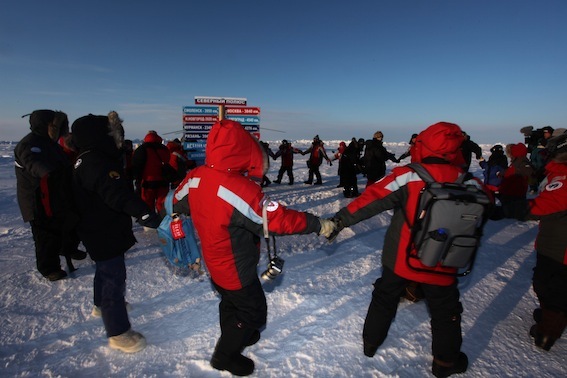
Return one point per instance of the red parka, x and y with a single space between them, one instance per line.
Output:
435 149
148 159
550 206
517 175
226 204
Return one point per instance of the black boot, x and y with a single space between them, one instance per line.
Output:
228 351
548 329
442 369
369 349
236 364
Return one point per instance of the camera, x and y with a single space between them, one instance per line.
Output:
531 136
275 268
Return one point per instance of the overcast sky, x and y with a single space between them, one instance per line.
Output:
333 68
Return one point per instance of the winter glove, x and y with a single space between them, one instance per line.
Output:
338 227
151 220
327 227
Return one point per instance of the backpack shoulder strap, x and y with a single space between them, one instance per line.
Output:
422 172
426 176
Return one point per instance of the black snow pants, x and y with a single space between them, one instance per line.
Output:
443 304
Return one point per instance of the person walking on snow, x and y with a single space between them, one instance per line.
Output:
337 156
106 204
435 149
316 155
44 190
550 273
266 146
286 152
375 157
230 213
147 166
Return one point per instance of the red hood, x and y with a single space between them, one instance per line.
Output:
442 140
230 148
518 150
152 138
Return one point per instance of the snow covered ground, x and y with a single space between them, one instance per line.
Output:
316 308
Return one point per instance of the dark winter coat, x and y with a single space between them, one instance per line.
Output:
105 199
286 152
227 206
43 174
550 207
374 160
493 169
468 148
350 166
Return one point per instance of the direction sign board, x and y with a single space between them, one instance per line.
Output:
245 120
200 118
197 127
201 110
201 100
242 110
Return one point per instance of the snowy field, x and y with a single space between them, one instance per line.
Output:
316 309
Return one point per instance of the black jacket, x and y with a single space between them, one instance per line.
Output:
375 157
104 197
43 176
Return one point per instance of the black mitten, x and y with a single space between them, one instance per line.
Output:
151 220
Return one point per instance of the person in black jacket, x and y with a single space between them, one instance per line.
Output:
349 169
467 149
43 176
106 203
375 157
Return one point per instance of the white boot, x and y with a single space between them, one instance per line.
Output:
128 342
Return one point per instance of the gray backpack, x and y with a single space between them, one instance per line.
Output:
448 225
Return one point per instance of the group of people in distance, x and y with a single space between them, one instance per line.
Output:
230 213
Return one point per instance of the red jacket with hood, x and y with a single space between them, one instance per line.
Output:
226 206
148 159
517 175
550 207
436 149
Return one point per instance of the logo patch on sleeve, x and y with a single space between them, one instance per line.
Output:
553 186
114 175
272 206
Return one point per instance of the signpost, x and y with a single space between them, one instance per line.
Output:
198 120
